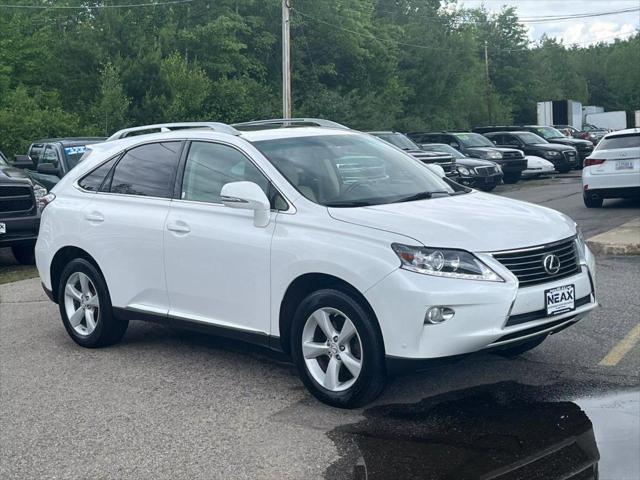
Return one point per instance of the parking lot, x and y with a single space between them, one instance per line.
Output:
170 404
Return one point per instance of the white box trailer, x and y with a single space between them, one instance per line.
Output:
610 120
560 112
638 118
545 113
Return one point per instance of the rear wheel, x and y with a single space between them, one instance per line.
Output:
338 350
592 200
521 348
85 306
24 254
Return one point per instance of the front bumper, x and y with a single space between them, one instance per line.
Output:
480 182
482 311
20 231
512 166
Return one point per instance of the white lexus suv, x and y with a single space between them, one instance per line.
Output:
320 241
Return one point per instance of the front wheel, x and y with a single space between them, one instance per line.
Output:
24 255
338 350
85 306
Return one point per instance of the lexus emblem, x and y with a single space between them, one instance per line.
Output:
551 264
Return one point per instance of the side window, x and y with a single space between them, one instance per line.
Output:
210 166
94 180
511 141
49 156
147 170
35 152
451 140
496 139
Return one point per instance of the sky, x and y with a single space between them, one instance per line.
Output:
582 31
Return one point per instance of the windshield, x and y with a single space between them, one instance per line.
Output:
548 132
620 141
74 154
398 139
531 138
444 148
473 140
350 170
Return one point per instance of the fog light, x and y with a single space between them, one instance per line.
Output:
438 315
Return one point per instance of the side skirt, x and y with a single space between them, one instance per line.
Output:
262 339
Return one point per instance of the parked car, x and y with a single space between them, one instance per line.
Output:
48 160
20 202
511 161
589 132
400 140
472 172
355 257
537 167
613 170
563 157
550 134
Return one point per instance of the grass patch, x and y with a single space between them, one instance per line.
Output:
13 273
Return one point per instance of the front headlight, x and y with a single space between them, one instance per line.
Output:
463 170
494 155
551 154
39 192
444 263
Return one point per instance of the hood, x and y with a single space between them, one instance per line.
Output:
548 147
428 156
573 142
13 173
477 222
475 162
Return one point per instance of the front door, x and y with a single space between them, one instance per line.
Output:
217 261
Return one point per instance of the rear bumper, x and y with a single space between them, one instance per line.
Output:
20 231
611 185
623 192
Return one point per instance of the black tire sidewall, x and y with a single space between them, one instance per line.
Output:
99 336
373 374
591 202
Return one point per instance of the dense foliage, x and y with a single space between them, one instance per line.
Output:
403 64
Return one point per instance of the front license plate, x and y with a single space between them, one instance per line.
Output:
624 165
560 299
3 228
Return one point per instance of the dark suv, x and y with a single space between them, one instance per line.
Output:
50 159
19 211
511 161
400 140
563 157
550 134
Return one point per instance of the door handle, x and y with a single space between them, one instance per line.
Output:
178 227
94 217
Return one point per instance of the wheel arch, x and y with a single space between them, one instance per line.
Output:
306 284
62 257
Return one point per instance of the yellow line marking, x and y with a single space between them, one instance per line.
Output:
618 352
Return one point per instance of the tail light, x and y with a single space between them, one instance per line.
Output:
588 162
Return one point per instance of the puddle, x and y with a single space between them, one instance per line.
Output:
505 431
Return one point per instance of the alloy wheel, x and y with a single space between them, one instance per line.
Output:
332 349
81 303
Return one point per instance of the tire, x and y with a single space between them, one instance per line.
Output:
521 348
592 200
106 330
365 346
24 254
512 178
564 170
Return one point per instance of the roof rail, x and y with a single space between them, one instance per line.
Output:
167 127
289 122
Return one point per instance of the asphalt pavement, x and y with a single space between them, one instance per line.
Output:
168 404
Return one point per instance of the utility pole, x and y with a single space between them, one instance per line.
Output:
486 67
286 62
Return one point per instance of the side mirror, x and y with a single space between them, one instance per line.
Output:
248 196
23 161
48 169
454 145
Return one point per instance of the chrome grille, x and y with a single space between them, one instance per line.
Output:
509 155
486 171
527 264
570 155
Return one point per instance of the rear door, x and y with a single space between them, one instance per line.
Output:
124 224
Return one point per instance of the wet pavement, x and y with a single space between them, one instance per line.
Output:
506 431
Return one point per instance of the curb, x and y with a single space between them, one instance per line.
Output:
623 240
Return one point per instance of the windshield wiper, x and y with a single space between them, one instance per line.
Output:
422 196
348 204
